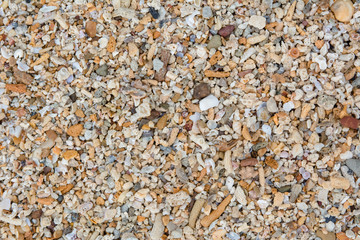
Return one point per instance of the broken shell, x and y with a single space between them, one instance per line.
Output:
343 10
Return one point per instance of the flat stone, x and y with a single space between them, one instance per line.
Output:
323 236
158 228
201 90
271 105
215 42
102 70
207 12
256 39
208 102
257 21
90 28
354 165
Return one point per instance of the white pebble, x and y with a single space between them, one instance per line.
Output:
257 21
208 102
229 183
288 106
266 129
103 42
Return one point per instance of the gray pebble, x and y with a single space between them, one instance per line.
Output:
207 12
214 42
354 165
295 191
102 70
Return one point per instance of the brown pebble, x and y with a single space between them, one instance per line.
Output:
75 130
226 31
201 90
350 122
248 162
36 214
90 28
19 88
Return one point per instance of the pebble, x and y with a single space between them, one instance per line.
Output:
157 64
128 236
350 122
5 204
339 182
90 28
157 229
207 12
354 165
215 42
226 31
257 21
256 39
343 10
240 196
102 70
271 105
263 114
201 90
109 214
63 74
327 236
295 191
288 106
208 102
327 102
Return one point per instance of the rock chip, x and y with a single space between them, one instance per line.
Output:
339 182
354 165
102 70
201 90
271 105
323 236
207 12
327 102
257 21
215 42
350 122
158 228
90 28
226 31
295 191
75 130
240 196
208 102
256 39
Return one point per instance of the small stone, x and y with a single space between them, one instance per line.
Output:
226 31
5 204
327 102
256 39
350 122
158 228
240 196
295 191
109 214
327 236
343 10
70 154
75 130
354 165
208 102
128 236
271 105
286 188
102 70
278 199
90 28
215 42
207 12
257 21
154 13
339 182
157 64
36 214
263 114
297 150
288 106
63 74
201 90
